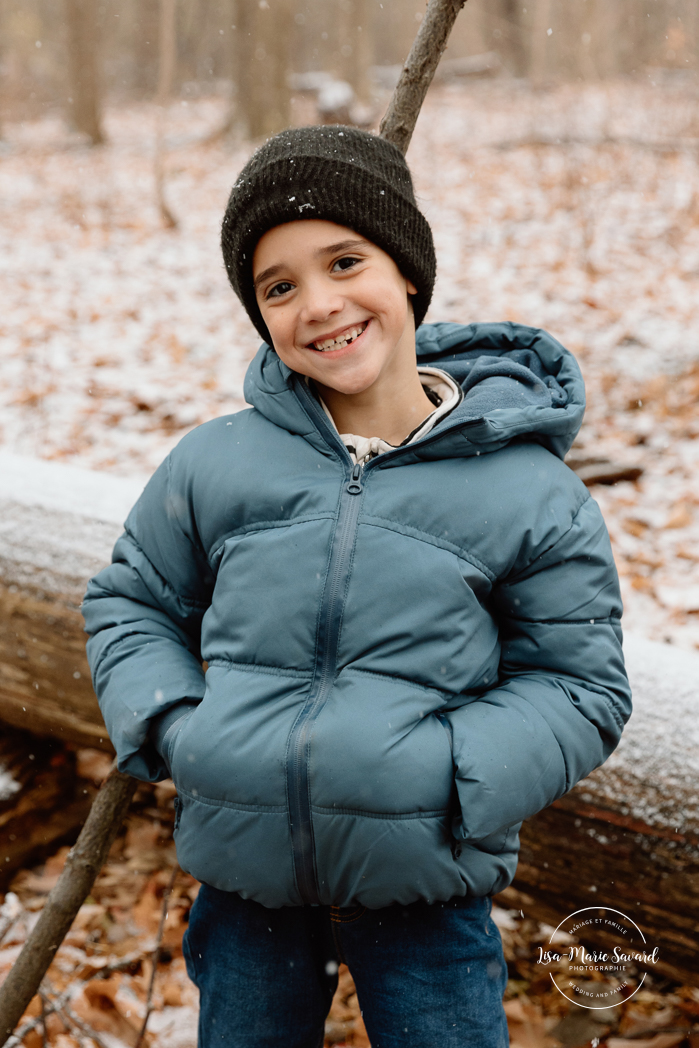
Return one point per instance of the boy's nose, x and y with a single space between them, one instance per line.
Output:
320 302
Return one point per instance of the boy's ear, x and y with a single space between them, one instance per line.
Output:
412 290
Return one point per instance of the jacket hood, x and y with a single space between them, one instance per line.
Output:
519 383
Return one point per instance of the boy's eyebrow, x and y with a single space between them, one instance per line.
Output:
331 249
266 273
343 245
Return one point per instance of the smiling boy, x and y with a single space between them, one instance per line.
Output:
339 312
408 609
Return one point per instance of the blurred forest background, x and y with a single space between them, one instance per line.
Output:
71 55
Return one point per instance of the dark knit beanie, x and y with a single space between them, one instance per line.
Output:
338 174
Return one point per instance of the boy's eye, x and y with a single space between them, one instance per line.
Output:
279 289
346 262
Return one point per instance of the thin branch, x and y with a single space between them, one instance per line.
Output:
48 1009
59 1001
156 954
68 1015
44 1031
79 1024
85 860
166 73
76 1023
403 110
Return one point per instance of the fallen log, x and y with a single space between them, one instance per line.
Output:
603 471
59 524
626 837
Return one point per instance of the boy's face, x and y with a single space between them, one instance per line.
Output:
335 304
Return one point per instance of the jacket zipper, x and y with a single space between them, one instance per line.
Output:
298 749
298 785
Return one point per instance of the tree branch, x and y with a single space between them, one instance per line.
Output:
156 954
401 116
84 862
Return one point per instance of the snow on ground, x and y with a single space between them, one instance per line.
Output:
574 208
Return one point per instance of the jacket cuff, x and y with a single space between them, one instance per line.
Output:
162 727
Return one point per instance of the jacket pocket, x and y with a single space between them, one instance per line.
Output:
455 816
493 843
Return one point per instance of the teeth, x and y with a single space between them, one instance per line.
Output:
343 340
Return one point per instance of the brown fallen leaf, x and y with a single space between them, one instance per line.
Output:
99 1008
54 1026
634 526
360 1038
681 517
526 1025
171 993
344 1025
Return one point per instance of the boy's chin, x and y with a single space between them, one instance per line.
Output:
348 385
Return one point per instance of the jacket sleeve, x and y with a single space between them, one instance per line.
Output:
143 615
562 697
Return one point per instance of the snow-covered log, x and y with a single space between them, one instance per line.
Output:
626 837
57 527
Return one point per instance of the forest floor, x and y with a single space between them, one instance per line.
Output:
573 207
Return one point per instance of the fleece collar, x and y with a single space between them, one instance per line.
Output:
449 394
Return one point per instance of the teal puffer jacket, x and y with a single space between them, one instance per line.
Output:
404 660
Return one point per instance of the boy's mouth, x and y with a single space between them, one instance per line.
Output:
326 345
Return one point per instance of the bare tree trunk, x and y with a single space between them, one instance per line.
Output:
693 27
401 116
242 45
4 78
512 35
540 38
84 862
364 56
353 44
85 97
166 74
231 30
263 35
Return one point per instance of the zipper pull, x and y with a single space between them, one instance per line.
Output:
355 485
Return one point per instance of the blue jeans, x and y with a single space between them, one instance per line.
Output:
427 976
